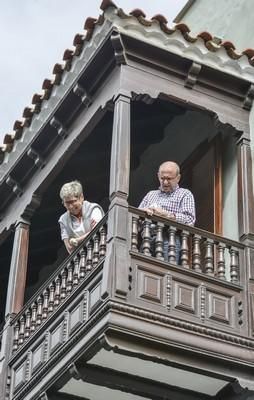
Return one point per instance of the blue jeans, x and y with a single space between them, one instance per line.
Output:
165 248
178 249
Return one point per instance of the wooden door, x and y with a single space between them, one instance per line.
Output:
201 173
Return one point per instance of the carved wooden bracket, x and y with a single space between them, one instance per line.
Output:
118 48
16 188
81 92
248 100
73 371
61 130
192 76
146 98
31 207
38 160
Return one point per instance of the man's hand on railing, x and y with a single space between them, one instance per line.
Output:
155 210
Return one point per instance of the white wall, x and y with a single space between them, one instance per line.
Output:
231 20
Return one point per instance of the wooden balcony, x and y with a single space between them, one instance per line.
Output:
197 306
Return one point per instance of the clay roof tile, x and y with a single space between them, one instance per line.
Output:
160 18
106 4
137 13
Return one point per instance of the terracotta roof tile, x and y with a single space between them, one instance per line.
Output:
137 12
160 18
36 101
211 43
249 53
78 42
205 36
68 57
106 4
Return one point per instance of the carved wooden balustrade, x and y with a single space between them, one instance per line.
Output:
53 293
188 247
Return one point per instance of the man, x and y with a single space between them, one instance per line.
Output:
81 215
170 201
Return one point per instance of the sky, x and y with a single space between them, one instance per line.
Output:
33 37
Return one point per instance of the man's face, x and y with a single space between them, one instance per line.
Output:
74 205
168 178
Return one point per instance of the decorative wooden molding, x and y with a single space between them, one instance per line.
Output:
248 100
34 155
61 131
202 302
144 97
16 188
245 189
118 46
31 207
83 94
73 371
192 76
131 311
168 292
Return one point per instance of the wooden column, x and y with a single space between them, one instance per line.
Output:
245 191
15 297
246 228
115 274
18 269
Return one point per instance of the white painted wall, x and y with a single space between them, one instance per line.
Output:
231 20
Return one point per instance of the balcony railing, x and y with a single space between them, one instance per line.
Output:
200 251
54 292
188 247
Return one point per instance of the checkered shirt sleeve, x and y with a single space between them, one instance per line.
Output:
180 203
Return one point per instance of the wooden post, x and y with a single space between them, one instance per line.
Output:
18 270
15 296
16 288
116 263
245 191
246 227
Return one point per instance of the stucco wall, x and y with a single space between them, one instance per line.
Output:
231 20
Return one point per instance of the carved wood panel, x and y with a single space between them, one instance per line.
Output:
49 342
185 297
219 307
150 286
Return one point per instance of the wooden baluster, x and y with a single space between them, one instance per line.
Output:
234 265
63 284
28 323
146 244
57 291
39 311
221 261
95 250
34 317
159 241
209 262
196 255
45 304
102 246
21 330
69 277
82 264
76 271
172 245
16 336
51 296
184 254
89 256
134 234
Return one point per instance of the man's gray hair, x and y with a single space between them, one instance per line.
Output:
71 189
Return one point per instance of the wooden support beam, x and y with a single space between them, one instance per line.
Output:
17 276
245 191
116 262
120 151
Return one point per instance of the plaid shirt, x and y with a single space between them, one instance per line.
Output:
180 202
